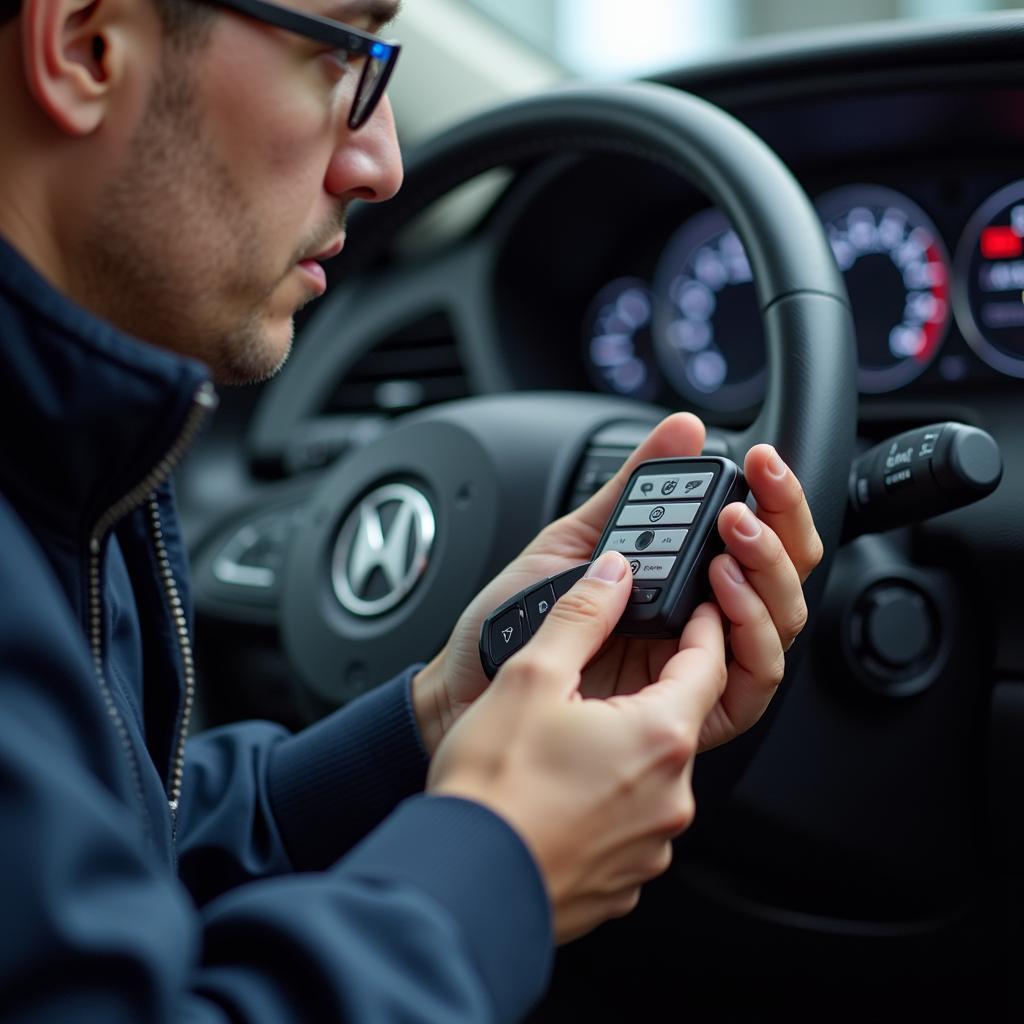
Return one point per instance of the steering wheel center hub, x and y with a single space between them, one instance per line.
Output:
383 550
393 538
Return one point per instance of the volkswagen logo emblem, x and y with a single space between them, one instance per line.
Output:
382 550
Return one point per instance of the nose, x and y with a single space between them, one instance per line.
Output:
367 164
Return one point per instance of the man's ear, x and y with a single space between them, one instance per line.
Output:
74 54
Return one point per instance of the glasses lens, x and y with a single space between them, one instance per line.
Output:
372 82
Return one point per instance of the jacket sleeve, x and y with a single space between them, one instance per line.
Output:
257 801
437 914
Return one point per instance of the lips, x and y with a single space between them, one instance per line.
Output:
332 250
315 275
310 265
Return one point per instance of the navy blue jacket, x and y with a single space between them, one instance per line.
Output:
261 876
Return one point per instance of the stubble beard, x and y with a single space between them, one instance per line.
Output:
173 256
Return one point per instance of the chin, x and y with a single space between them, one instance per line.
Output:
253 354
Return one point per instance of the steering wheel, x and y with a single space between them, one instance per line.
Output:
489 472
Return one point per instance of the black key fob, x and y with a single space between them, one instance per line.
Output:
665 526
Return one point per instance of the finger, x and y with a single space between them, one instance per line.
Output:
756 666
767 567
578 625
693 679
624 903
643 860
679 435
685 801
756 647
782 505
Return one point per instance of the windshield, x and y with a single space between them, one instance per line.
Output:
612 38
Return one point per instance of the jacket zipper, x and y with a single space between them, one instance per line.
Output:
203 402
177 770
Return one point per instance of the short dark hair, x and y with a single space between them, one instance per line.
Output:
178 16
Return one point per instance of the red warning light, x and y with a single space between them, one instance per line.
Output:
1001 244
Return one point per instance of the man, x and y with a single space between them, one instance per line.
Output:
172 170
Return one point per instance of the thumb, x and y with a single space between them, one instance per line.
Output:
581 620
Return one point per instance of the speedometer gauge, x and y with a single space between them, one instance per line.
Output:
617 339
707 329
897 273
708 335
989 294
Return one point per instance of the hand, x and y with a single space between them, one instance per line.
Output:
597 789
757 585
765 611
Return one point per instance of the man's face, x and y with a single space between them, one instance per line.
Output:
238 173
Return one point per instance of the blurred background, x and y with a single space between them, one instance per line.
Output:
473 53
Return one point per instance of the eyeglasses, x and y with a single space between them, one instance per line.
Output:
380 56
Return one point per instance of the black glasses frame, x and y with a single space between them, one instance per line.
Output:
381 55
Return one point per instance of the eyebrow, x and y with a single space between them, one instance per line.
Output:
379 12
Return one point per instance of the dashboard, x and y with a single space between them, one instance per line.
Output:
693 327
927 227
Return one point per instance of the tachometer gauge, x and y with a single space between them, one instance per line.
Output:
708 336
897 273
617 339
989 292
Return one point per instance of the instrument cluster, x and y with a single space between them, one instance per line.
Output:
695 326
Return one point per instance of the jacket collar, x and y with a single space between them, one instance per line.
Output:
87 412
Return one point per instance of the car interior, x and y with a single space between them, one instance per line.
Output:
816 240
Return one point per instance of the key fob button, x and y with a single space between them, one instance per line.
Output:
564 581
669 514
674 487
668 540
632 542
506 635
651 568
644 595
538 603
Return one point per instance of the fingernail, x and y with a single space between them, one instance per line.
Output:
610 567
775 466
732 570
748 526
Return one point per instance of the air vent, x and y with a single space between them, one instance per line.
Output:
418 365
